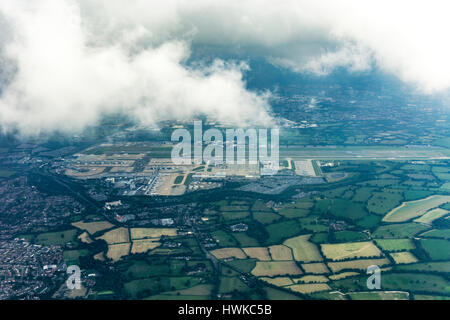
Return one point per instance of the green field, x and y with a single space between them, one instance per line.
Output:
260 206
140 269
245 241
440 233
265 217
234 208
293 212
443 267
347 209
382 202
235 215
145 287
416 282
73 256
57 238
320 237
401 230
312 224
303 249
370 221
362 194
443 173
347 236
416 194
229 284
437 249
274 294
281 231
243 265
224 239
392 245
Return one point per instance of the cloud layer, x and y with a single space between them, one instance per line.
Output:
65 63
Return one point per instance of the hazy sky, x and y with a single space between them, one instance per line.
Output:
64 63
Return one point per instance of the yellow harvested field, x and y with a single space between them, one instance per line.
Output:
117 251
259 253
343 275
119 235
349 250
228 253
275 268
77 293
304 250
141 233
312 279
93 227
278 281
413 209
432 215
309 288
280 252
99 256
142 246
84 237
357 264
403 257
315 268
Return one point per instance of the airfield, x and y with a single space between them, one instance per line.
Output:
147 169
364 153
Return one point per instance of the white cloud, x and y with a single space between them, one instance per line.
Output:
62 83
354 58
74 60
405 37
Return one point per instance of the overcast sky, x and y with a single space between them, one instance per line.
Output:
65 63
